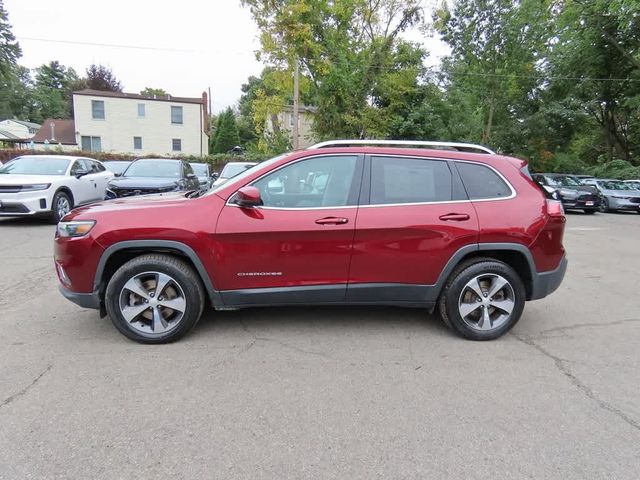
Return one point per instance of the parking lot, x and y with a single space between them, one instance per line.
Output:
343 393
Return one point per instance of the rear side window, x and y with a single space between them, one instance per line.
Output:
409 180
482 182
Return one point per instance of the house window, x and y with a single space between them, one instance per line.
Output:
291 120
141 110
176 145
97 109
91 144
176 115
137 143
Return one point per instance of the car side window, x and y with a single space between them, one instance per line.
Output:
79 166
316 182
410 180
482 182
97 167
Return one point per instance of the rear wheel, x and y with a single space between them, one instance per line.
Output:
154 299
482 300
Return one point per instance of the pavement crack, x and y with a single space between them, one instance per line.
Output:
24 391
256 339
589 325
561 366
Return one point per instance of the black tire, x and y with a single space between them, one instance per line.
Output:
185 284
455 287
589 211
604 206
56 214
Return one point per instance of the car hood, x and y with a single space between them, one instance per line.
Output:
161 200
622 193
8 179
142 182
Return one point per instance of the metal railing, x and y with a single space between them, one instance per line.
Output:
464 147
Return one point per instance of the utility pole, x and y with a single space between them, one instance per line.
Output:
296 113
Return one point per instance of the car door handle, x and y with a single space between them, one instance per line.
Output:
454 217
332 221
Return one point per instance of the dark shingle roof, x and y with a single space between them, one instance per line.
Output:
65 132
137 96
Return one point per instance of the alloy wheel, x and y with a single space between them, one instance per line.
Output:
486 302
152 303
62 206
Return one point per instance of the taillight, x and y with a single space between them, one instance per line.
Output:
554 208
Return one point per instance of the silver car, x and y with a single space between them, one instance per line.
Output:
616 194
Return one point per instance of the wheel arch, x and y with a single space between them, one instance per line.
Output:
515 255
119 253
64 189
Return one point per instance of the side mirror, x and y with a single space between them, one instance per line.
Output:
215 175
81 174
248 197
192 176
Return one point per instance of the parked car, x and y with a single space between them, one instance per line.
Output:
573 194
203 172
153 175
50 185
468 233
635 184
116 166
232 169
616 195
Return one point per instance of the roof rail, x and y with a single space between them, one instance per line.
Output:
404 143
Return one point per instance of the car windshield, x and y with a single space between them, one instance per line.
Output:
200 169
615 185
116 166
232 169
248 172
36 165
153 168
563 182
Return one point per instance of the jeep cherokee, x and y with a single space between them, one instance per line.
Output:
452 226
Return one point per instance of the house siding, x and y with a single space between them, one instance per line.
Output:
122 123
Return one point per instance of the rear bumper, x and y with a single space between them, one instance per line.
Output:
546 283
85 300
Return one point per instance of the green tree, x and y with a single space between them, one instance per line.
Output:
16 95
9 48
226 136
154 92
52 92
343 47
100 77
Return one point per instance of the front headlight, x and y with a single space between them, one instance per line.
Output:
75 229
35 187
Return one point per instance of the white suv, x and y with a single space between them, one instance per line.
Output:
50 185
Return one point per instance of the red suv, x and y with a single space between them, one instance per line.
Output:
344 222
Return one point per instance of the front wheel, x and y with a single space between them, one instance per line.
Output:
60 206
604 206
154 299
482 299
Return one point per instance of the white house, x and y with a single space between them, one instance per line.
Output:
16 130
285 122
140 125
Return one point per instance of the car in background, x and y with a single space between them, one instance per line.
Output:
573 193
147 176
634 183
203 172
50 185
616 195
232 169
116 166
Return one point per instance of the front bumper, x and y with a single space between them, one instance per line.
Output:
582 202
623 204
25 203
85 300
545 283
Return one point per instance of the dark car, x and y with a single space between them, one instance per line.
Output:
468 233
117 167
204 174
573 194
153 175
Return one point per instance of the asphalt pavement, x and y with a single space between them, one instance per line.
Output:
326 393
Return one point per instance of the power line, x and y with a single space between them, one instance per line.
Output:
111 45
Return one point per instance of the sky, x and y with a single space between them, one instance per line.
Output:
187 45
